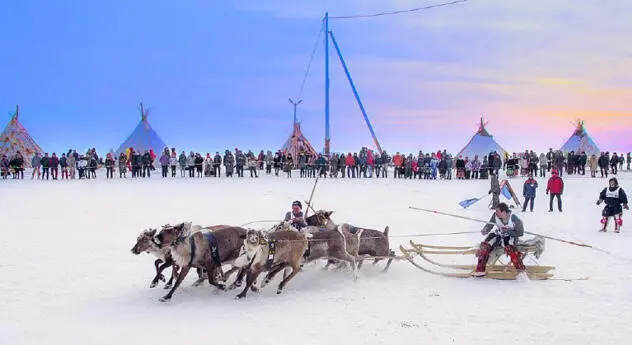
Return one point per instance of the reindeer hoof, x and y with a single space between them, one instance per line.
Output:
279 291
240 296
167 287
254 289
153 285
164 299
162 277
197 283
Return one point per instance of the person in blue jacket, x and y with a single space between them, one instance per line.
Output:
528 191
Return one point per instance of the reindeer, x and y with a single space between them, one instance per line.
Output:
272 252
146 242
322 219
202 250
372 243
331 244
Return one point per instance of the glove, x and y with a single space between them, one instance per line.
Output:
484 232
490 192
626 207
547 192
598 202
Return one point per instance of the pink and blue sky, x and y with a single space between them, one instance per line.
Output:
217 74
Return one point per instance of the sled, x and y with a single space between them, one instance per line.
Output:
495 268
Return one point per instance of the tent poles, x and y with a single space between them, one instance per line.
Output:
355 92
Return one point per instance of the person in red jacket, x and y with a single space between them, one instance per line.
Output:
556 187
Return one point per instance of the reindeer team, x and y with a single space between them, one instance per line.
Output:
251 252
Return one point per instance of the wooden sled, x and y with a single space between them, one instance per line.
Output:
495 268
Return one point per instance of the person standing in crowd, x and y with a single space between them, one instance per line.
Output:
44 162
36 164
54 165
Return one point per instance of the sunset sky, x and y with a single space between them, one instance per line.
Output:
218 75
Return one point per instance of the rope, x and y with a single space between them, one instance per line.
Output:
399 12
381 237
309 64
260 221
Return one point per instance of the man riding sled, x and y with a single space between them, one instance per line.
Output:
507 228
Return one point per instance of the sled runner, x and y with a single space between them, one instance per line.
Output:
495 268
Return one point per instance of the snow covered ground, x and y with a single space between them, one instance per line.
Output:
68 276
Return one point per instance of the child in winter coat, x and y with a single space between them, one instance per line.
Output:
528 191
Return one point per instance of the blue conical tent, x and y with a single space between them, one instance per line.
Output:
481 144
143 138
581 141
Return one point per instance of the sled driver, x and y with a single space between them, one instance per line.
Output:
296 216
614 196
507 228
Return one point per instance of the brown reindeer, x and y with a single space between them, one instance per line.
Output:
273 253
322 219
372 243
203 250
146 242
331 244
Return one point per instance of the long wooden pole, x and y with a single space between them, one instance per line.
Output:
311 196
486 222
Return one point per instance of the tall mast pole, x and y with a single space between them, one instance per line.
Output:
295 104
327 138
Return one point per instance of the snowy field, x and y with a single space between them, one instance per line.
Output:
68 276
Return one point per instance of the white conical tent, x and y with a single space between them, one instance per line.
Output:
16 138
143 138
481 144
580 140
297 143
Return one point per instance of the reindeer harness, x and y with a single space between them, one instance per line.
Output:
212 243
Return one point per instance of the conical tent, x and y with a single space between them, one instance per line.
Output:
16 138
297 143
143 137
481 144
580 141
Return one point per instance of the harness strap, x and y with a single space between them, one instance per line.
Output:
271 254
212 243
192 243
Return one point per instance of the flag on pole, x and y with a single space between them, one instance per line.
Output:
469 202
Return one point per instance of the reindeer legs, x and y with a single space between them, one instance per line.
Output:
271 275
174 274
201 277
295 270
183 273
250 279
211 270
159 270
